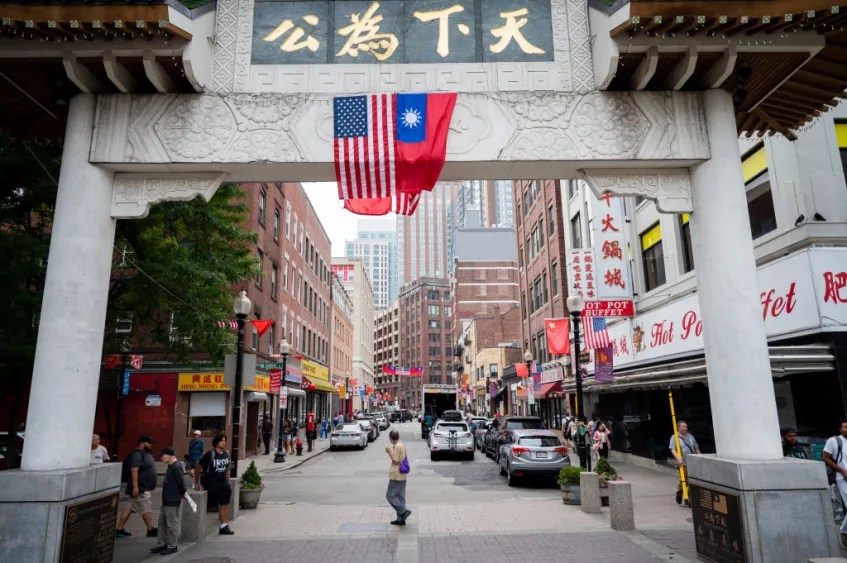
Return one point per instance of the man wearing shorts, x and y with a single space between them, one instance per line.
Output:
141 481
214 468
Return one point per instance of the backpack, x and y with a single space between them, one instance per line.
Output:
126 469
830 472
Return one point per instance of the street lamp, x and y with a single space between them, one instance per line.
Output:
284 349
527 358
125 348
241 306
346 405
575 305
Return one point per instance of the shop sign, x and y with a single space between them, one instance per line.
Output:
623 308
153 401
581 273
276 380
202 382
314 370
293 375
283 397
262 384
794 296
613 279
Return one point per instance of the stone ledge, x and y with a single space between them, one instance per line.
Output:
60 485
759 475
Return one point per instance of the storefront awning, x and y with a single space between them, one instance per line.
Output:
552 387
320 384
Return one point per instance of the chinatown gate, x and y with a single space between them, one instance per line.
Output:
637 99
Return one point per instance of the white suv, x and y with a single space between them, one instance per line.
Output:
451 438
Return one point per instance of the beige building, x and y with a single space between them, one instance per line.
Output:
354 279
341 360
387 351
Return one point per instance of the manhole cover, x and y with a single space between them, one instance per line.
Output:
213 560
362 527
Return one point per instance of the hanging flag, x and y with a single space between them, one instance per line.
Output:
262 326
136 361
558 336
520 370
386 145
390 370
233 325
416 371
111 361
596 335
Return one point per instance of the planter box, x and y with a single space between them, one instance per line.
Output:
571 494
249 498
604 496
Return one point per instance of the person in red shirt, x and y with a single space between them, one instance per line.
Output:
310 429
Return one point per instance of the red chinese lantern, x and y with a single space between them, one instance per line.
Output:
312 387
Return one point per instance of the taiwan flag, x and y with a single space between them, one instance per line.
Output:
416 371
388 148
390 370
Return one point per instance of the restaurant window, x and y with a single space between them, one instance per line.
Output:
207 412
276 225
653 257
576 232
687 249
263 197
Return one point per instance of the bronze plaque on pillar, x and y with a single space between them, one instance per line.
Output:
718 531
89 532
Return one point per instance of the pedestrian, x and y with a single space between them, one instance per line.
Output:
292 430
196 449
601 441
687 445
99 454
789 444
324 429
173 489
836 462
215 472
286 436
267 432
139 473
397 472
310 429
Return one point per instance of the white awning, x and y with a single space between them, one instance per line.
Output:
254 397
207 404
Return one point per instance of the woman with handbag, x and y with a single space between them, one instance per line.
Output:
397 472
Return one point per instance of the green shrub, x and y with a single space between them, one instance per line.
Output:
569 476
605 472
251 479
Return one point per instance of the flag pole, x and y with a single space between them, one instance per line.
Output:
678 448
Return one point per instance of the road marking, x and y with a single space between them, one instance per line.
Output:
408 550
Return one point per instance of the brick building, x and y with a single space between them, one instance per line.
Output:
387 351
425 329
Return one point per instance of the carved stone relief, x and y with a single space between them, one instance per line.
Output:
670 188
133 193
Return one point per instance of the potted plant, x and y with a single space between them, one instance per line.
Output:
569 482
251 487
605 473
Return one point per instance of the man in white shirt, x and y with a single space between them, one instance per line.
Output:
98 452
835 457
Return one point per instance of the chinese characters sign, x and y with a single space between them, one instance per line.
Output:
614 280
202 382
401 31
581 273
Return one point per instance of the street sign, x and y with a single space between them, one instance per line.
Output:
276 365
283 397
153 401
125 386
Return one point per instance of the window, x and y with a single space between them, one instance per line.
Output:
207 412
276 225
524 304
526 203
492 370
760 206
288 221
537 294
434 310
302 236
687 250
255 337
261 257
448 310
448 351
274 271
543 356
435 337
576 232
554 270
263 197
551 221
572 188
544 285
432 295
271 339
434 351
285 276
294 240
435 324
123 322
541 233
654 260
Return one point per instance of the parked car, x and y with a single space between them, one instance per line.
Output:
382 420
405 416
395 416
348 435
496 435
531 454
372 419
451 416
479 437
450 438
370 428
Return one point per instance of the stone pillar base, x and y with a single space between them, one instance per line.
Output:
783 508
33 508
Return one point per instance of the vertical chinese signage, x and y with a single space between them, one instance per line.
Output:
581 273
611 259
603 367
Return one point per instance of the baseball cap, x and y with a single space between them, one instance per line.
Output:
196 432
168 451
146 438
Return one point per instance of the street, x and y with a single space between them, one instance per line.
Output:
333 509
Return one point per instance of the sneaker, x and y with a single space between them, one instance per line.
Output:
153 533
398 523
226 531
122 534
406 515
168 551
158 548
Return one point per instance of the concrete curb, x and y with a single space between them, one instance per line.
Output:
298 463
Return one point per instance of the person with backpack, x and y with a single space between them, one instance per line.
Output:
687 445
215 478
397 472
139 474
173 489
196 449
836 469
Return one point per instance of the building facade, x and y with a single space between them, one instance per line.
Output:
387 353
425 238
355 281
425 329
341 361
493 199
797 205
376 245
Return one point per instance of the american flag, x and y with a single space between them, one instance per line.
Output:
364 150
596 335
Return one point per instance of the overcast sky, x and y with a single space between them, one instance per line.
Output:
339 223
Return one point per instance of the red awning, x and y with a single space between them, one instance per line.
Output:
553 387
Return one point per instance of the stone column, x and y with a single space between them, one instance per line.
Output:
63 396
737 362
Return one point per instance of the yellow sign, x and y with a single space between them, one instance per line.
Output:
314 370
262 385
342 391
202 382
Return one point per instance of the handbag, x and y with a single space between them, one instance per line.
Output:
404 466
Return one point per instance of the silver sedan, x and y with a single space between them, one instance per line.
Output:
532 453
348 435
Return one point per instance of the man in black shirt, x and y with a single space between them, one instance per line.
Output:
789 444
173 488
215 479
140 482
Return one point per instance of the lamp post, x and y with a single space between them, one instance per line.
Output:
241 306
527 358
279 456
347 397
119 414
575 305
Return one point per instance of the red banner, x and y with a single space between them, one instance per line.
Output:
558 336
623 308
276 380
262 326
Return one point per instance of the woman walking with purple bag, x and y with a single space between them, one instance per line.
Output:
397 473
